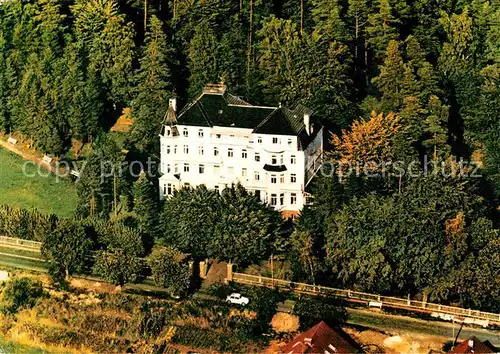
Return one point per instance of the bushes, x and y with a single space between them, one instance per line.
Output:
170 270
25 224
313 310
117 267
196 337
152 323
22 293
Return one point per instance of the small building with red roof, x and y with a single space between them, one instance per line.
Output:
320 339
474 345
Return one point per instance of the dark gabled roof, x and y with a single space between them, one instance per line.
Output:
276 123
284 121
319 339
223 110
217 107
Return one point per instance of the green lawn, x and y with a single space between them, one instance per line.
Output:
47 194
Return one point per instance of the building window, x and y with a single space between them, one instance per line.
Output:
216 170
168 168
243 172
201 150
186 167
216 151
275 140
257 157
273 179
282 178
290 142
168 132
200 133
175 149
256 176
168 149
230 152
164 189
274 160
185 149
169 189
281 159
187 185
259 140
217 136
176 168
216 188
293 198
185 132
274 200
244 154
293 160
293 178
201 169
282 199
257 193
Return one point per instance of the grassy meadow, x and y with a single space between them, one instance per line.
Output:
47 194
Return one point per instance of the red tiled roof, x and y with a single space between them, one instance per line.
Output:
473 345
319 339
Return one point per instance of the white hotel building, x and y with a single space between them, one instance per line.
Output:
219 140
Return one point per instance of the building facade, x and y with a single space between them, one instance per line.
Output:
219 140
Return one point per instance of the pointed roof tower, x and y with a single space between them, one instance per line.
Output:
171 115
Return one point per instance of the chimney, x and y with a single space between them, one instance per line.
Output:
307 123
173 103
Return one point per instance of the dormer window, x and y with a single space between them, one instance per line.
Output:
274 160
167 132
185 132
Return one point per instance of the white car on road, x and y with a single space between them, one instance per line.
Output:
237 299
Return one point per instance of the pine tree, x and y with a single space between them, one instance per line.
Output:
358 13
109 43
391 78
203 61
80 102
327 21
381 29
279 43
4 93
153 83
435 128
146 205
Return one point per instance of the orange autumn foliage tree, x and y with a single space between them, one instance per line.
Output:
368 143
